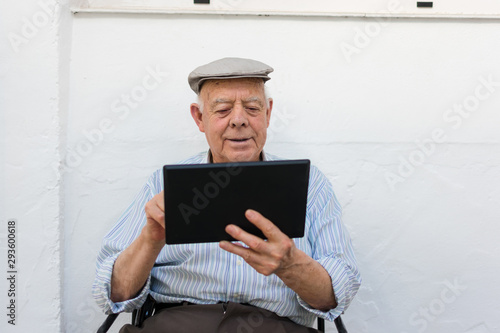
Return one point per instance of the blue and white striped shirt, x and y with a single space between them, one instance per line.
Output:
205 274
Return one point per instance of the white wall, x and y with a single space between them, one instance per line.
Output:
32 109
418 181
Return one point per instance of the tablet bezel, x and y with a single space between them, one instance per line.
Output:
221 192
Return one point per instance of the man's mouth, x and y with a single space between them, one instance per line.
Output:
239 140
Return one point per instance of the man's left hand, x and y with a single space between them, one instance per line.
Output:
266 257
278 255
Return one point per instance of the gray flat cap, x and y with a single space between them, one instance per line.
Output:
228 68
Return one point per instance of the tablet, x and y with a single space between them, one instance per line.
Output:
201 199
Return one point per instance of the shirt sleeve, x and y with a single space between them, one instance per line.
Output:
123 233
331 246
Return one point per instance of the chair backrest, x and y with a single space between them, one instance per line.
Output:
321 324
339 324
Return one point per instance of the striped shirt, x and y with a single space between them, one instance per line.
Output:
205 274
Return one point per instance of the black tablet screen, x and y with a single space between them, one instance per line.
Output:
201 199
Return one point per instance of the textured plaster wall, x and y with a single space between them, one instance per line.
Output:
32 108
402 115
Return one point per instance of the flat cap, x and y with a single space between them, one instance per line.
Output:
228 68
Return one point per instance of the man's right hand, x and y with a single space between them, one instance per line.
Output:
133 265
154 230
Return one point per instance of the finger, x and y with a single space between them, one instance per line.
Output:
160 200
154 212
252 241
269 229
234 248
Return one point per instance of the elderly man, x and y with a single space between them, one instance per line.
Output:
279 284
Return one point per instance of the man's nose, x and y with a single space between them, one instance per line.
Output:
239 116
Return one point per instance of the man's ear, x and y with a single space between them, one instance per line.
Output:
269 109
197 116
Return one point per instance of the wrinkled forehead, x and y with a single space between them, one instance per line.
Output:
215 88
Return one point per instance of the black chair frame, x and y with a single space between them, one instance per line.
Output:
148 308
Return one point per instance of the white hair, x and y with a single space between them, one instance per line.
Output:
267 96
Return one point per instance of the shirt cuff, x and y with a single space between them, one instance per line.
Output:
345 286
102 290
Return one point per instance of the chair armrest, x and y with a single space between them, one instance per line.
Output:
340 325
107 323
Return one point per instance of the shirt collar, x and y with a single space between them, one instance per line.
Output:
209 159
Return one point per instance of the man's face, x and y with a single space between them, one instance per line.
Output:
235 118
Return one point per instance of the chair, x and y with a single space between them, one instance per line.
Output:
147 310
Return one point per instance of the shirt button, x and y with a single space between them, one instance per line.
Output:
238 262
